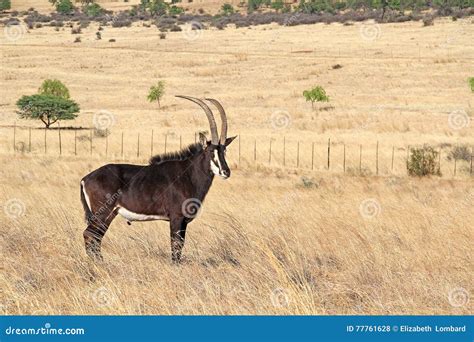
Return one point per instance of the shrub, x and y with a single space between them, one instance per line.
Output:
428 20
64 6
162 35
227 9
47 108
54 87
317 94
471 83
175 10
277 5
423 162
460 153
5 5
93 10
156 92
77 40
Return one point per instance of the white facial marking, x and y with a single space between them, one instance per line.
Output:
215 164
131 216
85 195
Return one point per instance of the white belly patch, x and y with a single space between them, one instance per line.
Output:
131 216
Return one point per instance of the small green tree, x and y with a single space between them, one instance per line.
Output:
471 83
156 92
54 87
227 9
5 5
317 94
47 108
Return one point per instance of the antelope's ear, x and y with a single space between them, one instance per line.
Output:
203 139
229 140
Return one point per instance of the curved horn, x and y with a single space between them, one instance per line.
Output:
210 117
223 119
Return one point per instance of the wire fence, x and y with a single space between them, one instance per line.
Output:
322 154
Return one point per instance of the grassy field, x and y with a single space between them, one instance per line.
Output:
270 240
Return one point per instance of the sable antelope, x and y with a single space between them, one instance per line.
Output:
171 187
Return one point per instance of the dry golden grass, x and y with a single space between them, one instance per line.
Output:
259 233
266 243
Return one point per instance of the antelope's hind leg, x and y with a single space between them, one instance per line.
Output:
95 231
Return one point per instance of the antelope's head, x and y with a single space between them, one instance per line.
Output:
216 147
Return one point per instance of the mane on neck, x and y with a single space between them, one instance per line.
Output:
184 154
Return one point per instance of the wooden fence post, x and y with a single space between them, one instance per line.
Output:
121 147
240 137
255 150
59 137
439 160
298 155
329 153
270 153
151 144
472 155
393 156
138 145
344 161
377 159
14 137
407 157
312 155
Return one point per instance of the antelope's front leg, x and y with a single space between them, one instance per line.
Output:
177 234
